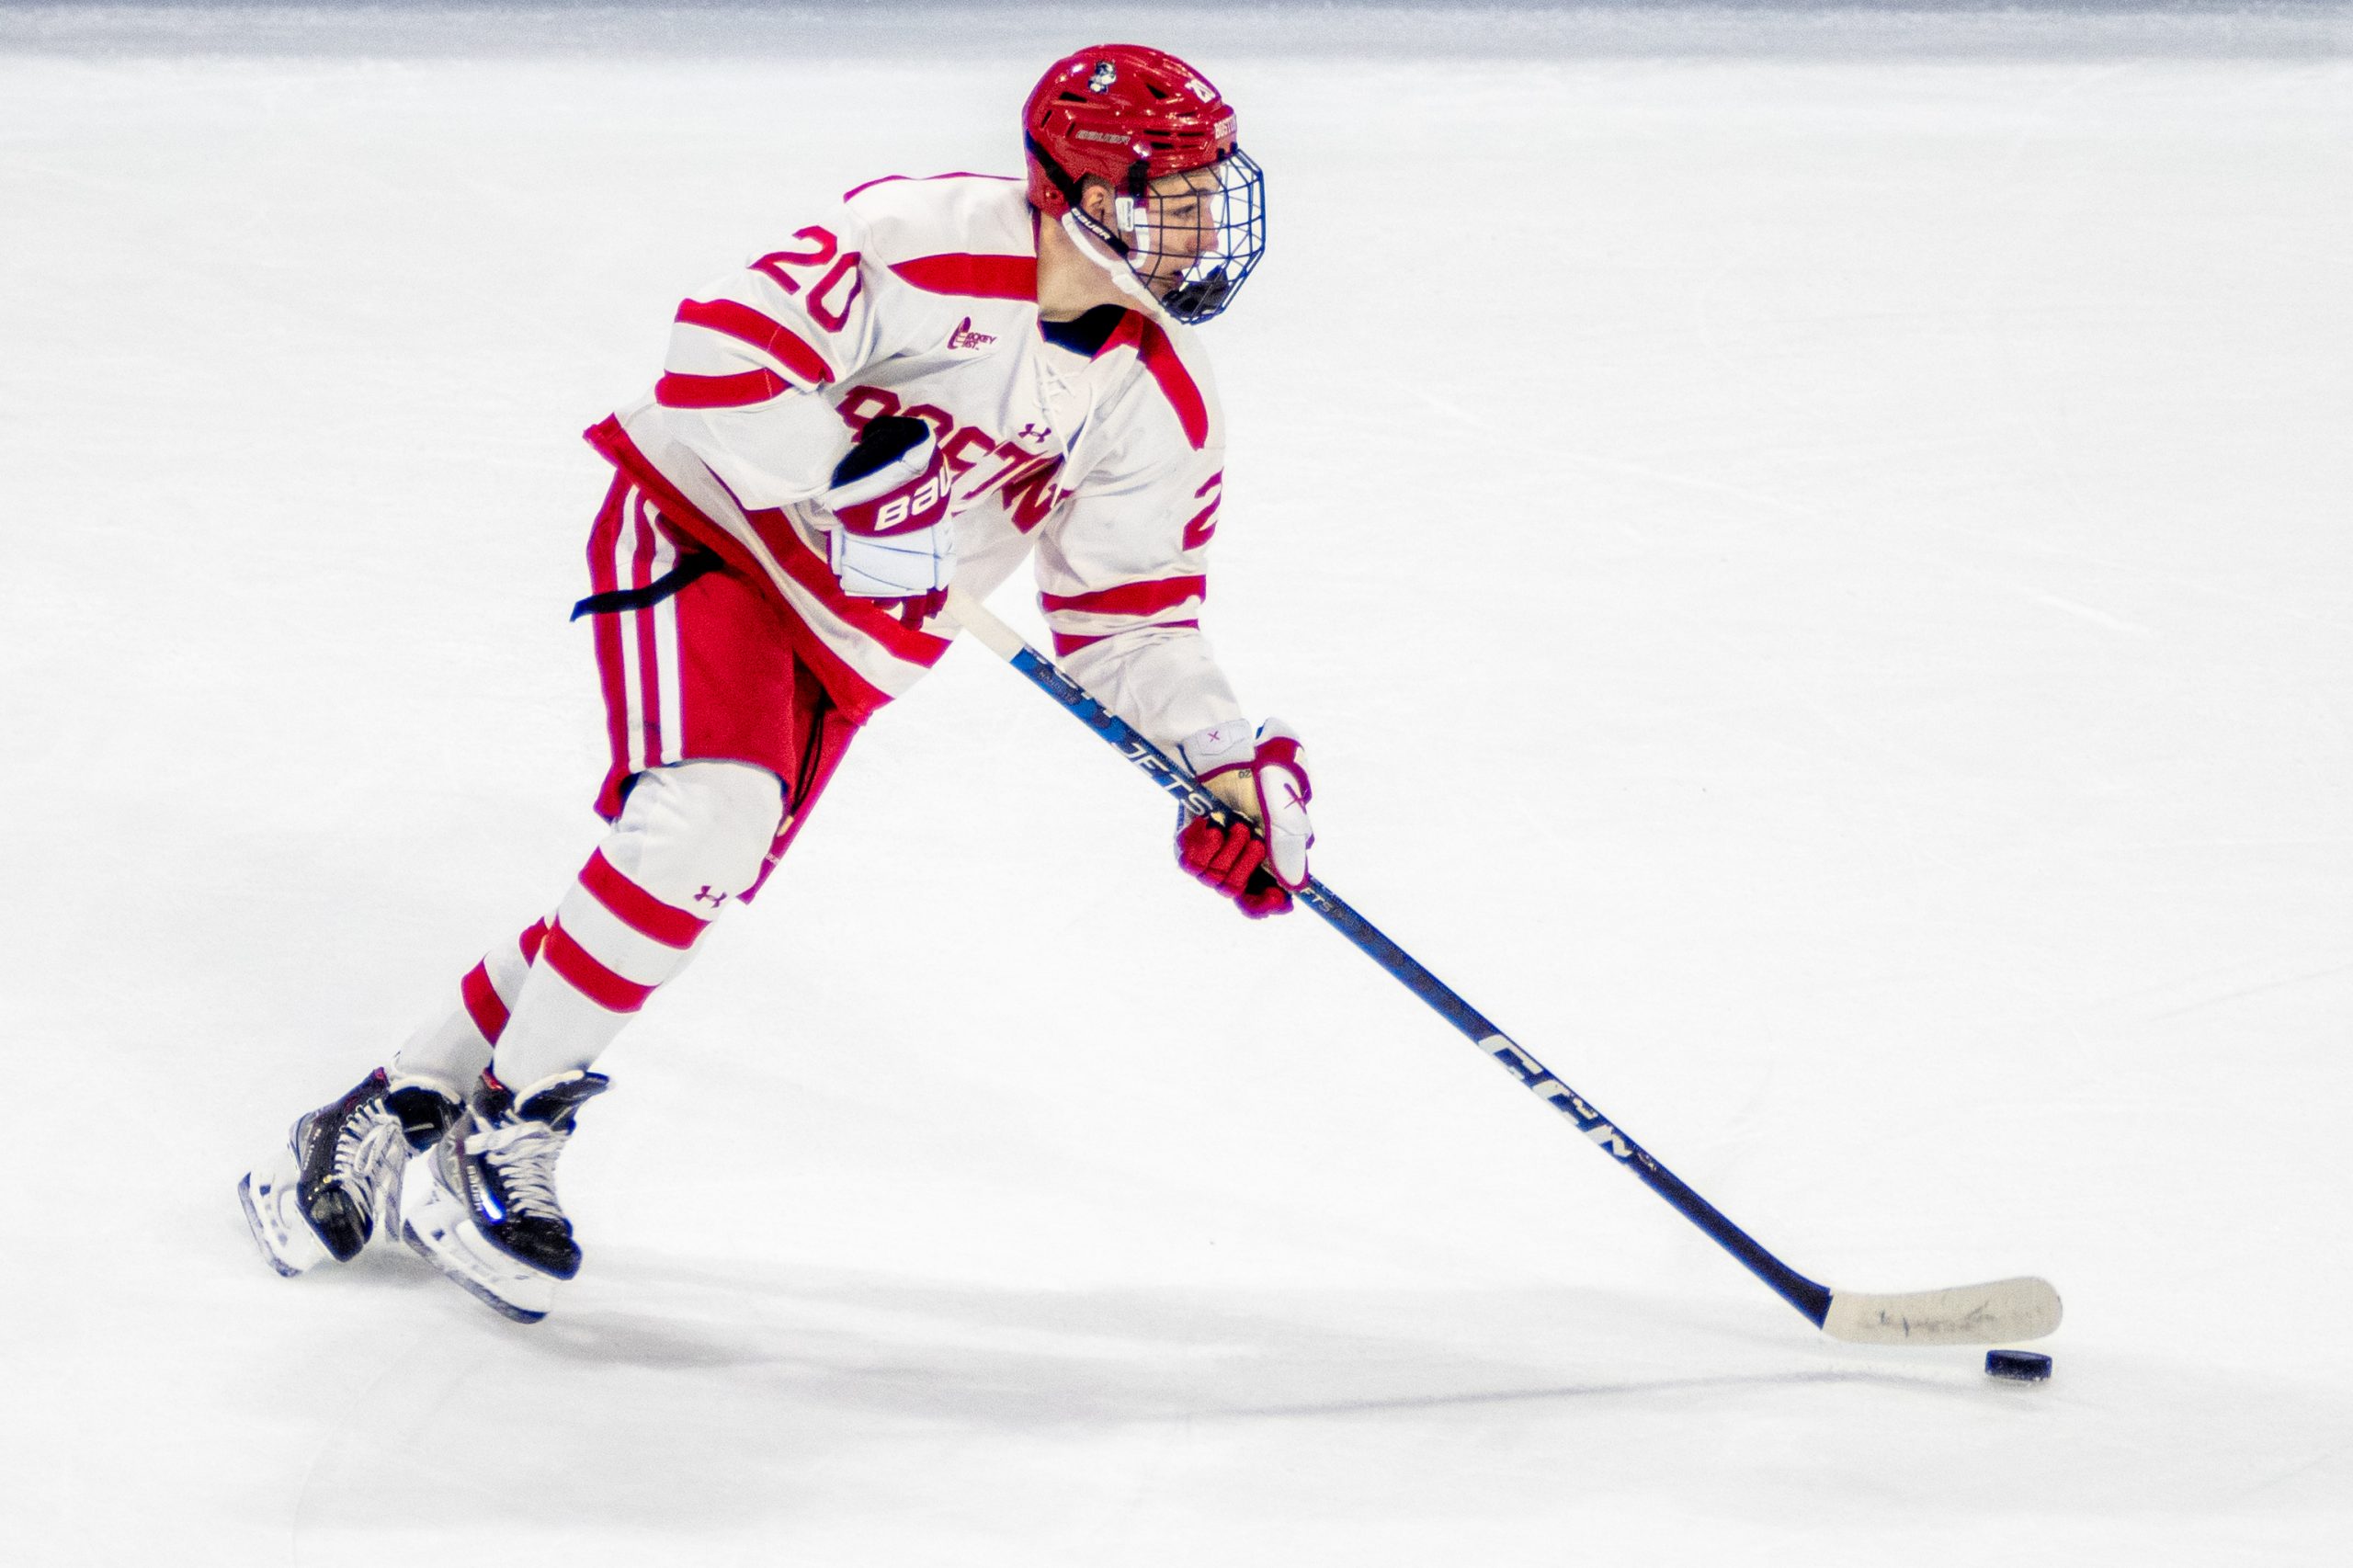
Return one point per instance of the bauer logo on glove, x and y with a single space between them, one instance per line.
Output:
1259 857
889 497
892 481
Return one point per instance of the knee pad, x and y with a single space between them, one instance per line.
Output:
695 833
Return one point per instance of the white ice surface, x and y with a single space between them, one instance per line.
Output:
1822 597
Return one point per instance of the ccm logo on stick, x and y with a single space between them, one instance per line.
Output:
1528 1071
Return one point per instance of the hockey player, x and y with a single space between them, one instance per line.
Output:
921 387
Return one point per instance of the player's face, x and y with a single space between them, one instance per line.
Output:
1175 223
1178 223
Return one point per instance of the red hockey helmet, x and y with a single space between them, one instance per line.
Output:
1130 116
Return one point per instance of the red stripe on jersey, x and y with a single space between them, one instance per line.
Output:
1160 360
1177 383
1065 644
482 1004
1202 529
636 908
766 334
590 977
533 934
977 276
1129 333
1131 598
741 391
889 179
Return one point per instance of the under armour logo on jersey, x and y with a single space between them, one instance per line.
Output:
1032 432
709 897
965 337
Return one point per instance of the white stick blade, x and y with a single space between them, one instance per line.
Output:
1999 1312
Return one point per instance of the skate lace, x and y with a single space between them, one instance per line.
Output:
367 1148
524 1156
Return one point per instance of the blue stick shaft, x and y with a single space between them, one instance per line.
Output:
1809 1298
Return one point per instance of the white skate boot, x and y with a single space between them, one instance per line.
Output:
481 1204
336 1183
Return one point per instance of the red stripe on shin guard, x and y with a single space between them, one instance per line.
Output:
588 976
482 1004
636 908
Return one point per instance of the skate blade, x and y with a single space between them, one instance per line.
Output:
287 1242
440 1229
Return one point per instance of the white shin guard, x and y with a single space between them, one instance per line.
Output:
690 841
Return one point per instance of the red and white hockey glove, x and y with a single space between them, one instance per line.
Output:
889 498
1258 857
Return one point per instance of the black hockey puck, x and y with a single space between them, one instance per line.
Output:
2018 1366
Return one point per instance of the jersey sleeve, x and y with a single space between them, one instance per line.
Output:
1123 570
749 355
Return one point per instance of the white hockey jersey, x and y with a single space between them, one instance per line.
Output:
917 297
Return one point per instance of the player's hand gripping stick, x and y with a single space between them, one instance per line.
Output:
1256 852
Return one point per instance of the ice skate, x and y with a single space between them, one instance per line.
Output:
336 1184
481 1204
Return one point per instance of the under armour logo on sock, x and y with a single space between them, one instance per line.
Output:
710 898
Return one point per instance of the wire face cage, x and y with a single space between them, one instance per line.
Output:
1213 227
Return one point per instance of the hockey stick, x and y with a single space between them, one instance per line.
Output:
1998 1312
